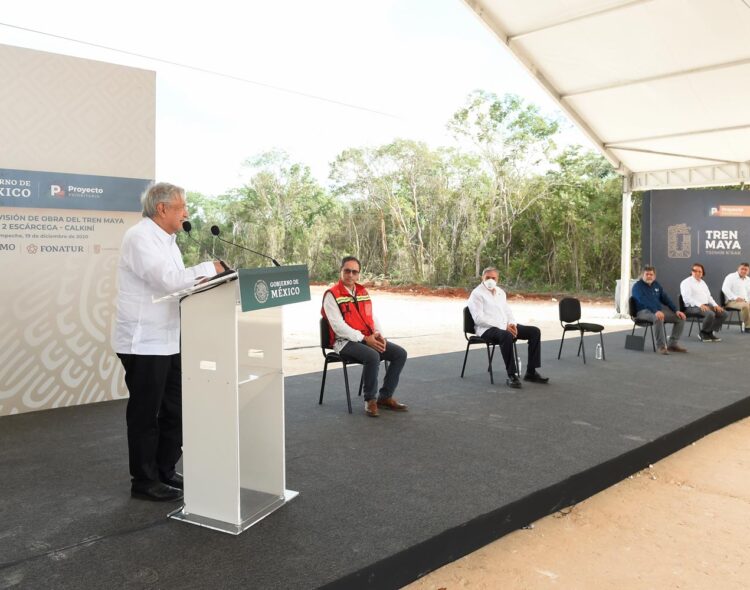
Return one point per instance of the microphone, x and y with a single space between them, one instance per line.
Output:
187 226
216 231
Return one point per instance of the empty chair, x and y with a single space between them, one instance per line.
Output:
570 316
332 356
641 323
472 338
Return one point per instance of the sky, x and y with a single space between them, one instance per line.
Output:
317 76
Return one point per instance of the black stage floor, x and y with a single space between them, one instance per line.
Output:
382 501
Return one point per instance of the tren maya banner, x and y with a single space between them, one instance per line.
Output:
59 240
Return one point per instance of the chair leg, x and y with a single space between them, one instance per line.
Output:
691 328
601 337
361 382
739 319
323 384
465 357
559 352
489 358
582 349
346 384
515 352
653 342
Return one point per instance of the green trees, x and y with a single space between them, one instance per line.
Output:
573 235
504 195
512 139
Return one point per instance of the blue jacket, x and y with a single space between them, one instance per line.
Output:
651 297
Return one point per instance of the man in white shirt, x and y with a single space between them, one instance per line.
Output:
357 336
736 289
494 321
147 340
698 300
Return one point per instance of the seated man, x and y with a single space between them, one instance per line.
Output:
357 337
698 300
650 297
494 321
736 290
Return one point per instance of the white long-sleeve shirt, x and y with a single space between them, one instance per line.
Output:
489 310
343 331
151 266
695 293
735 287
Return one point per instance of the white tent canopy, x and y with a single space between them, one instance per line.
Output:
662 87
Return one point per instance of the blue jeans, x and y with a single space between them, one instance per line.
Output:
370 359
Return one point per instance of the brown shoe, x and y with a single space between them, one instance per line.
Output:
677 348
371 408
392 404
663 350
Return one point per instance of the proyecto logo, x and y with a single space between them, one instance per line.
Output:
57 191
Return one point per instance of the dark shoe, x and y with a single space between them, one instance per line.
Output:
676 348
156 492
371 408
392 404
175 481
663 350
535 378
705 336
514 382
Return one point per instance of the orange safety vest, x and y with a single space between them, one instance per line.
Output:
356 311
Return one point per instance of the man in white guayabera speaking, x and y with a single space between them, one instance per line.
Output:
493 321
147 340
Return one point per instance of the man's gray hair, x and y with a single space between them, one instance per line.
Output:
489 268
161 192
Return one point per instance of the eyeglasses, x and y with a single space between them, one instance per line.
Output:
697 270
350 271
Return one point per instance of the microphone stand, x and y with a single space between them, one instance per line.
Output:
215 231
188 227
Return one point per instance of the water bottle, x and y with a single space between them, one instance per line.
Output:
598 353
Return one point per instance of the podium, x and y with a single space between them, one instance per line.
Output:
233 396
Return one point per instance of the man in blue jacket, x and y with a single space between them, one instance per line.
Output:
650 297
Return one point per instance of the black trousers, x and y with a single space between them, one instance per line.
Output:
154 415
504 340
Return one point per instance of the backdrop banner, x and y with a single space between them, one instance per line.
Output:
685 226
60 237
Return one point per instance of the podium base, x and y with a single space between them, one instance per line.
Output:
254 507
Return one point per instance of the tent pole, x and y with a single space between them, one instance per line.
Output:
625 247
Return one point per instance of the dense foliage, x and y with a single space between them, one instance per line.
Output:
548 218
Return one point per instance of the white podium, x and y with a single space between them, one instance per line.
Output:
233 400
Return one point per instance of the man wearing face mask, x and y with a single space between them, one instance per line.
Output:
494 321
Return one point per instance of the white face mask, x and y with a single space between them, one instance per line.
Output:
490 284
